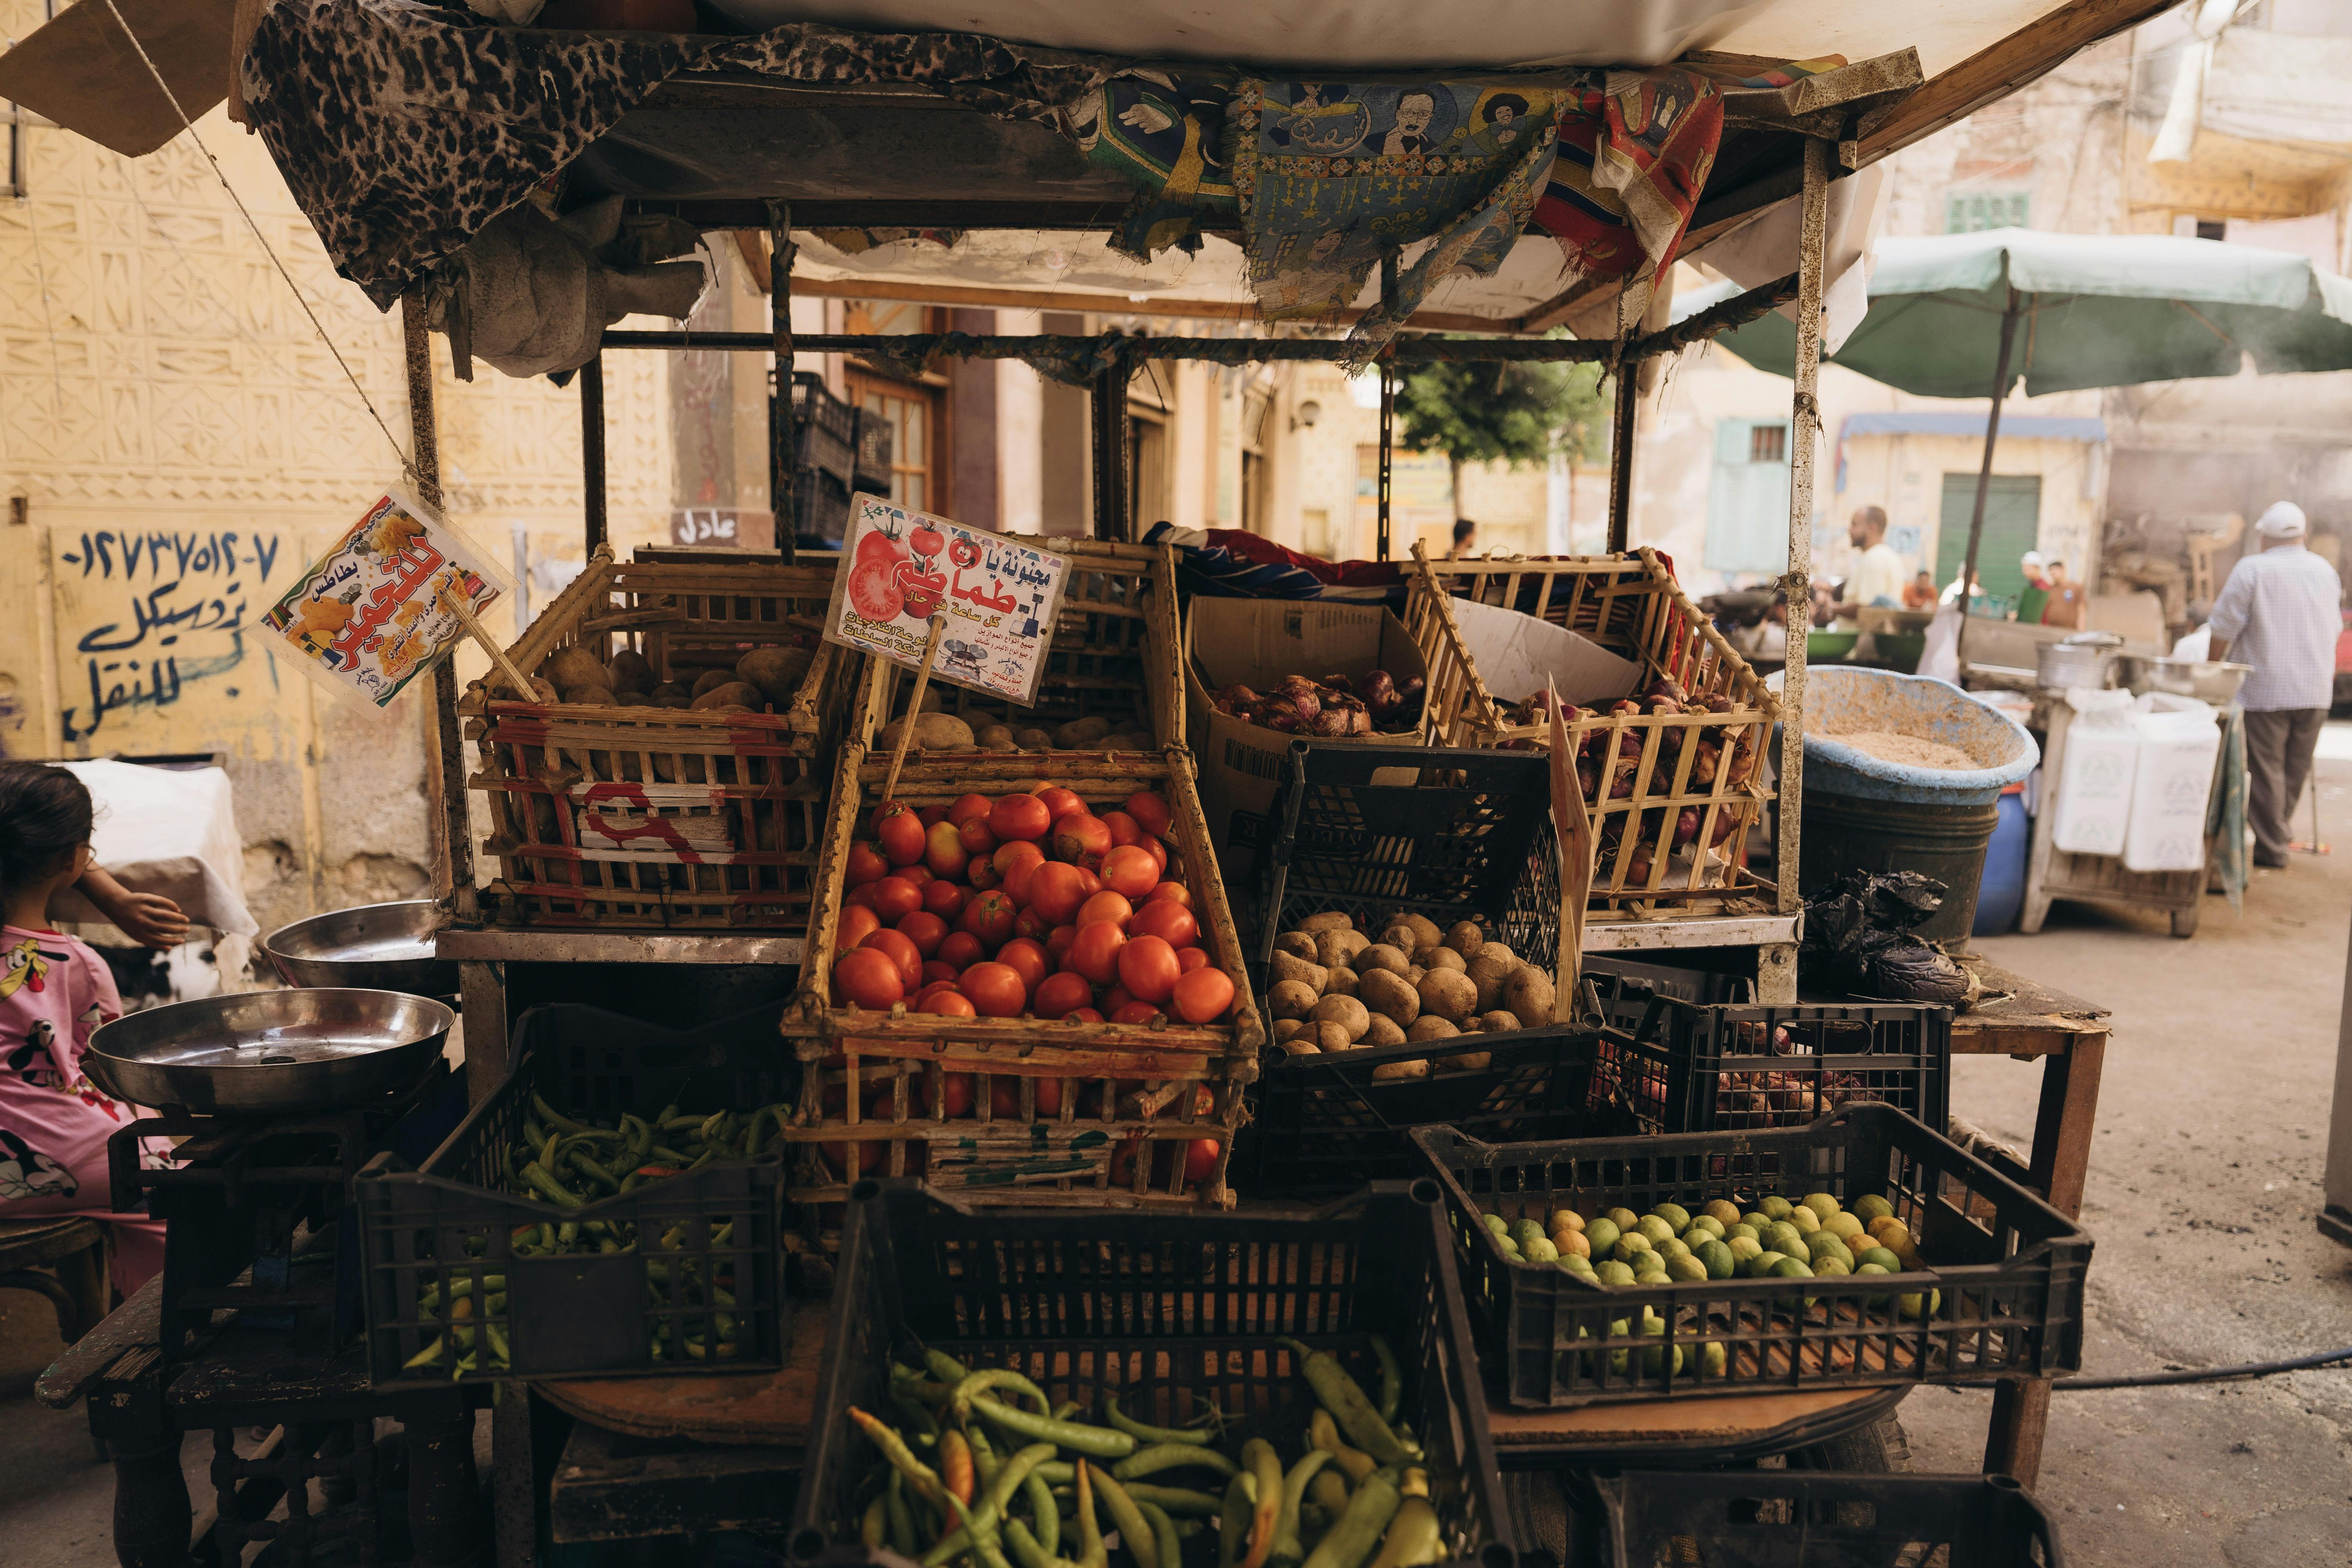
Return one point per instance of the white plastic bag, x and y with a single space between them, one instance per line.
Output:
2178 740
2094 790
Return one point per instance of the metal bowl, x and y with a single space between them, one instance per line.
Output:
2203 679
377 947
271 1052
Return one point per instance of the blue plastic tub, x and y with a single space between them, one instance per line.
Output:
1851 700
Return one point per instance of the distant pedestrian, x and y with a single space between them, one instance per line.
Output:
1920 594
1878 576
2069 602
2034 597
2281 612
1466 539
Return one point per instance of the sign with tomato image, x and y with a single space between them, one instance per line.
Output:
1000 594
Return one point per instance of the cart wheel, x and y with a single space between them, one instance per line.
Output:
1880 1448
2184 923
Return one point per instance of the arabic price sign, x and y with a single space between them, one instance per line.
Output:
367 616
900 568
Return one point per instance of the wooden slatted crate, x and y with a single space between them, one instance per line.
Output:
1672 796
642 817
1035 1156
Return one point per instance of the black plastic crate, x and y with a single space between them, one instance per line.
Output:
821 507
1800 1519
1321 1125
1168 1310
2007 1269
594 1314
875 440
825 430
1670 1065
1373 829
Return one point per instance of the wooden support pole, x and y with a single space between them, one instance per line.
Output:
1621 460
1110 454
446 768
1984 473
1805 432
783 438
914 703
591 448
1388 421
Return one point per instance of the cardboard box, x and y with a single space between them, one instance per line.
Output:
1514 653
1257 642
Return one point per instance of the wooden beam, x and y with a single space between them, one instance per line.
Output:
858 287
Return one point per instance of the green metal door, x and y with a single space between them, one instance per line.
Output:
2012 525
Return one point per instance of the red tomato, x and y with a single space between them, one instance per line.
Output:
866 865
1060 801
1122 1162
1189 959
1095 952
1204 995
855 1160
1058 943
960 950
900 832
1056 892
1015 853
1115 997
918 873
1016 870
1090 880
931 816
1201 1158
1105 906
995 990
873 592
936 972
977 840
1135 1012
1150 812
966 807
949 1003
1049 1097
858 922
859 897
1082 1015
989 918
894 899
926 930
1169 920
1147 967
1019 817
1124 829
944 851
1129 869
903 953
1057 996
1028 958
944 899
869 978
1174 892
957 1094
982 873
1004 1097
1079 834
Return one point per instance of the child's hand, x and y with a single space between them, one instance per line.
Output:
148 919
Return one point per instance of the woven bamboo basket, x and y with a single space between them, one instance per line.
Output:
1062 1157
1672 796
642 817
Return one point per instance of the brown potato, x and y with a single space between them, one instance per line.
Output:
995 737
1345 1011
574 665
630 671
1329 920
1343 983
1424 930
589 696
1291 967
632 700
1464 1061
711 678
1297 943
1448 994
933 732
1334 948
1033 740
1381 956
1417 1067
1464 937
732 694
1301 1046
1382 1032
1442 958
1285 1027
1386 992
672 694
1080 734
1498 1022
1530 996
1429 1027
1290 999
1400 937
1495 965
1331 1036
776 671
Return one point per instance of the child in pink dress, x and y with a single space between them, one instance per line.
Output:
54 991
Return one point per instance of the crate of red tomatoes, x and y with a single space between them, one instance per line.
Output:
1024 985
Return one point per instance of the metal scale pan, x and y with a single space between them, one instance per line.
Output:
268 1053
383 947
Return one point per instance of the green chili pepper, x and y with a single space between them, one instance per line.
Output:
1392 1380
944 1366
1287 1545
1266 1470
925 1479
1091 1553
552 1117
1093 1441
1133 1529
1041 1508
1069 1407
1164 1534
1027 1551
595 1172
1175 1500
1171 1456
1134 1428
427 1357
902 1521
996 1377
536 1177
1340 1395
1234 1521
1356 1534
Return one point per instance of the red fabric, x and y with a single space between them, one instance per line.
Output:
1340 574
1667 127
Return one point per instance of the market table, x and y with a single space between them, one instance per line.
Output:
2069 1037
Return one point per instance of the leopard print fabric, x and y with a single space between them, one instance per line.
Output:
403 129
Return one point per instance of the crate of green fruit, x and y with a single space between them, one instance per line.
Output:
1861 1250
1218 1389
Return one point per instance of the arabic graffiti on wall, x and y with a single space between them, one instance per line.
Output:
369 613
159 610
1001 597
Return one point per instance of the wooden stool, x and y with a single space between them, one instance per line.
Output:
74 1251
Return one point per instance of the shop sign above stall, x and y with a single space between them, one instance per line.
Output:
900 569
374 611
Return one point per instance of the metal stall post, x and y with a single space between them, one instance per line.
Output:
1110 455
1621 460
1804 429
591 448
782 436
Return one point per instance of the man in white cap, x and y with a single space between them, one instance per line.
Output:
2281 611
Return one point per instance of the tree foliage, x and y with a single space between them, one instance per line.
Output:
1503 411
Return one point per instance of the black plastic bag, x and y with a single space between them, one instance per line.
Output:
1858 939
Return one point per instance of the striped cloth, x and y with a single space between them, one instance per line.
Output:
2281 611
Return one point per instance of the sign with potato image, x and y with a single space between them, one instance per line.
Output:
1001 595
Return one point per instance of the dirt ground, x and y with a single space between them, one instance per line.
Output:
2204 1185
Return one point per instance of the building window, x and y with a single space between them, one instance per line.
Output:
1768 444
2212 228
1257 409
912 412
1966 212
1748 497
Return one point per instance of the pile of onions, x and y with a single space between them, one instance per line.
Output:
1333 707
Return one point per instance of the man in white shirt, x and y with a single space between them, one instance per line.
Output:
1878 577
2281 611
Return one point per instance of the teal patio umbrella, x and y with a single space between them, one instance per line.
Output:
1966 315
